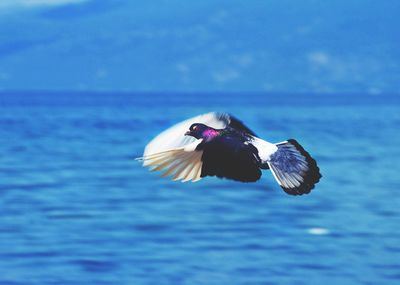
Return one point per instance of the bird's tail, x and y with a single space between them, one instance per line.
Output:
293 168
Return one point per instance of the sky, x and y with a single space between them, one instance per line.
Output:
304 46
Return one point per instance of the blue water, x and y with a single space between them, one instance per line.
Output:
75 208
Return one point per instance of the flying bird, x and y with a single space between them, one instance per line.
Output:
218 144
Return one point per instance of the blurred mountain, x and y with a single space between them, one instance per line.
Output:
171 45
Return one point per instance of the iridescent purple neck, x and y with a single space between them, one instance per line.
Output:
209 134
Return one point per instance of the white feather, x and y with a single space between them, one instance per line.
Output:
183 163
265 149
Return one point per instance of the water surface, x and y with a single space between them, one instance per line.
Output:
75 208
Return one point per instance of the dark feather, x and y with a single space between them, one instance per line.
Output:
289 159
234 123
311 177
227 156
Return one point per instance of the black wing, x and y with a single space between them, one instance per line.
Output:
229 157
234 123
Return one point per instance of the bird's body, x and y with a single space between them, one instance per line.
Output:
228 154
228 149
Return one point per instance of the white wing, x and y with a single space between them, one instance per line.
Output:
183 163
174 137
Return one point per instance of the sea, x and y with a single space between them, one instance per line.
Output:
77 208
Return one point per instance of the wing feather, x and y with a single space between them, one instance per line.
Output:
182 163
182 167
197 175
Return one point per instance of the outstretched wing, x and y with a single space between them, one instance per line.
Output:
183 163
174 137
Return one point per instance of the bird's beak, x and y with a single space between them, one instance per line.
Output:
188 133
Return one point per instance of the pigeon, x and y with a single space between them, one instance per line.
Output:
218 144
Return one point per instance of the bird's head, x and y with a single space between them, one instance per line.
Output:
201 131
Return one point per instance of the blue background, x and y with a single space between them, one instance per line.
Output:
86 84
257 45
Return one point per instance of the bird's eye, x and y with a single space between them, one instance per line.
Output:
194 128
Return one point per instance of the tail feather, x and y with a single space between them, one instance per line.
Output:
293 168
